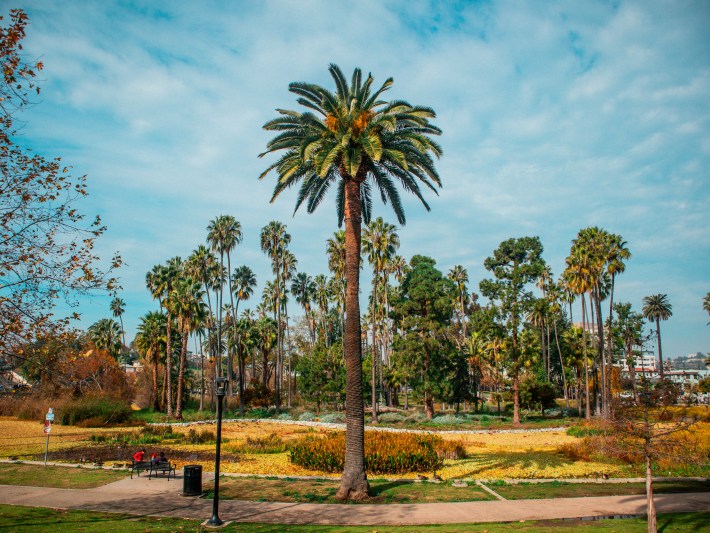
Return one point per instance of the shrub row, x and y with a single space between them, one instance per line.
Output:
385 453
95 412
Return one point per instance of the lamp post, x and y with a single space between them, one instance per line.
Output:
220 386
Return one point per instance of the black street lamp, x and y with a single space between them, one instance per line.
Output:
220 386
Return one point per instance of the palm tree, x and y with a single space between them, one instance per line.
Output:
187 305
321 294
106 335
335 249
656 308
303 290
362 144
151 341
223 234
118 307
274 242
706 304
380 242
459 276
160 282
243 284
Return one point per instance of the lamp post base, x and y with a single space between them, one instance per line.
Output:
220 525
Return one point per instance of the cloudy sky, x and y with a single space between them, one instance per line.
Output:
556 116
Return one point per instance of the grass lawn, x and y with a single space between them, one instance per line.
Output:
557 489
27 519
56 476
323 491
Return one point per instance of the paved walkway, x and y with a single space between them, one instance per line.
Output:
163 497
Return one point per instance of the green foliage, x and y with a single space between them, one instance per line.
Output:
333 418
272 443
321 372
425 352
95 411
704 385
391 418
385 453
307 416
535 394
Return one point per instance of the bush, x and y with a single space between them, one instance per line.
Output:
307 416
385 453
272 443
95 411
333 418
203 437
448 420
391 418
284 416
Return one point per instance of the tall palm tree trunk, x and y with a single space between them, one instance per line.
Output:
562 367
181 375
660 351
353 483
587 414
602 357
156 398
168 367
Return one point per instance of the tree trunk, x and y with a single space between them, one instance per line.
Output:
353 483
650 506
562 367
660 351
181 376
168 369
587 414
156 398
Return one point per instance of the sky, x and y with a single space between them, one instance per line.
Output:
555 115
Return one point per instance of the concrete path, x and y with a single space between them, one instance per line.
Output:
163 497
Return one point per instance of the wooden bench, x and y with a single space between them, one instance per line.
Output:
161 466
138 466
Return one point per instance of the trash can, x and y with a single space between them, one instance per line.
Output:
192 480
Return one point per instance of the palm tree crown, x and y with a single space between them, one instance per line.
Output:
353 135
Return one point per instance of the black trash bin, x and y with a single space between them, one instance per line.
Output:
192 480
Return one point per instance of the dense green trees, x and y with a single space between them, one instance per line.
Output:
423 309
516 263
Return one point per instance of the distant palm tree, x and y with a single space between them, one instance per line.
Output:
459 275
657 307
363 145
118 307
303 290
274 243
379 242
223 234
160 282
243 284
151 341
106 335
188 307
706 304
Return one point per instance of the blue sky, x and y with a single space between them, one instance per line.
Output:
556 116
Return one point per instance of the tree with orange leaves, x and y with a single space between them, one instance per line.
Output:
46 245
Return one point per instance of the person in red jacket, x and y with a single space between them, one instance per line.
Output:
138 457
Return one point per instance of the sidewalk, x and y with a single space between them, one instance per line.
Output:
163 497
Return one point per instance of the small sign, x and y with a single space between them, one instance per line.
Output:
47 427
49 417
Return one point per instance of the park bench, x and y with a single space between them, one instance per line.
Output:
138 466
162 466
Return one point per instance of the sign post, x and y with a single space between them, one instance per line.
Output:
47 429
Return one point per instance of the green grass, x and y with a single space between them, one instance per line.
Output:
61 477
323 491
560 489
30 519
